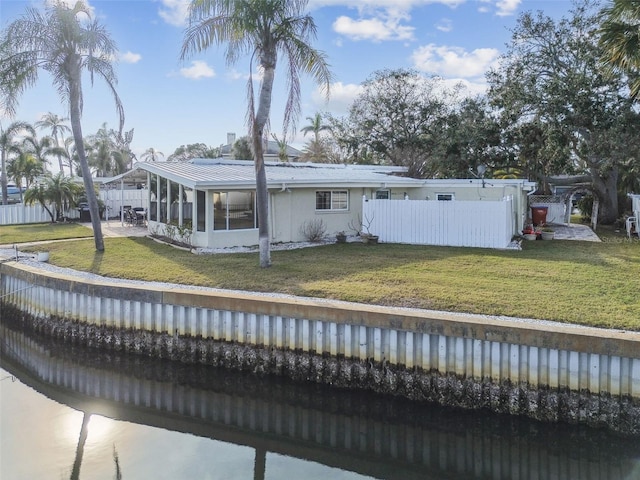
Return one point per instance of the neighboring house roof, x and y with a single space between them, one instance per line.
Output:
272 150
215 173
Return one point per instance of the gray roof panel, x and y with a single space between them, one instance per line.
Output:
206 173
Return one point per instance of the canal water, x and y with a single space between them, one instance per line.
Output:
69 412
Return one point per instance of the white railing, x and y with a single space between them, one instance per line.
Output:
113 199
487 224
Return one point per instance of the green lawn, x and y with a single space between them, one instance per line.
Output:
10 234
588 283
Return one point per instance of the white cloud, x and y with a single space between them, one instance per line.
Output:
454 61
342 96
234 74
445 25
507 7
198 70
175 12
385 25
130 57
363 5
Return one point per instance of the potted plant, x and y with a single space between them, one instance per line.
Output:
529 232
547 233
368 237
341 237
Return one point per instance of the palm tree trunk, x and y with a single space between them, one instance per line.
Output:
262 193
75 113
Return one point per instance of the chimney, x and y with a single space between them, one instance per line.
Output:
231 138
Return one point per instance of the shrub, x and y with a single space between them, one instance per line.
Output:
313 230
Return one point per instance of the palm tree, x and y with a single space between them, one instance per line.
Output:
316 126
67 151
56 193
103 154
620 39
25 166
283 155
123 156
40 148
38 194
57 127
7 145
59 43
63 192
264 29
151 155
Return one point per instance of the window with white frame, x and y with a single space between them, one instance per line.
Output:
332 200
445 197
383 194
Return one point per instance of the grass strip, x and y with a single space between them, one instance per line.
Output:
586 283
38 232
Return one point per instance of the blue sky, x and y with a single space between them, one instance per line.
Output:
170 103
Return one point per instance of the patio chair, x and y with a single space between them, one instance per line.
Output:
631 225
130 217
140 215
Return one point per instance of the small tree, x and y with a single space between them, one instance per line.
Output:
56 194
241 149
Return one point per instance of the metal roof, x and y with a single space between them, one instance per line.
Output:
213 173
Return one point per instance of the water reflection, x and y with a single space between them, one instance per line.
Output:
116 416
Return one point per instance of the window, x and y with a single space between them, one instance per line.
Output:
234 210
383 195
201 209
332 200
445 197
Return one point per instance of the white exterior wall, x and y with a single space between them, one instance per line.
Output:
292 210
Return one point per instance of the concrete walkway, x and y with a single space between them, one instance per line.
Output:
574 231
114 228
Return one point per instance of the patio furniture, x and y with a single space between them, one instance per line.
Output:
631 225
139 215
130 217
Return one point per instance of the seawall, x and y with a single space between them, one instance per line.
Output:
550 372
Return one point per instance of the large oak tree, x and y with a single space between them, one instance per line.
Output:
567 113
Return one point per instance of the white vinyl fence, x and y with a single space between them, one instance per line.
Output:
21 213
487 224
113 200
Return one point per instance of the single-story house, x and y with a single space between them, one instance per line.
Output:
216 197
